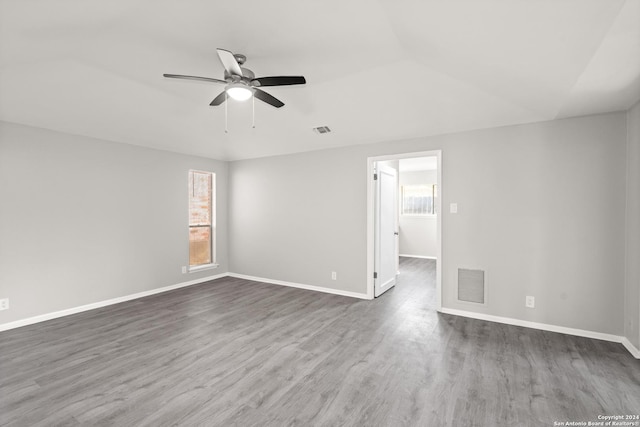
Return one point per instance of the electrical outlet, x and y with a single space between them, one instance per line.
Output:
184 269
334 275
453 208
4 304
530 302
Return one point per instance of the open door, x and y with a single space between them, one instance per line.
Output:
386 229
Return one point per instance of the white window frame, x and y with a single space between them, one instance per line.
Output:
213 229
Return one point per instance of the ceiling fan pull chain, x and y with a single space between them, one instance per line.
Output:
253 109
226 96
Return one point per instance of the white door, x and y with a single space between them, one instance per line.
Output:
386 220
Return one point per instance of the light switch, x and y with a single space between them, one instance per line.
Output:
453 208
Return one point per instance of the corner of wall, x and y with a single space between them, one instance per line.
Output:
632 229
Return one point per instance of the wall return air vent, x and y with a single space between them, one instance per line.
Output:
322 129
471 285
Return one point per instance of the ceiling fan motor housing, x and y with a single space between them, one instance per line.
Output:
247 75
240 58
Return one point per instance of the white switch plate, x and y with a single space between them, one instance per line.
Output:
453 208
530 302
184 269
334 275
4 304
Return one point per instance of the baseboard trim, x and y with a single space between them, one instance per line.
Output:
92 306
418 256
545 327
480 316
632 349
300 286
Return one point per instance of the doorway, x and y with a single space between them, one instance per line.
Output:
380 245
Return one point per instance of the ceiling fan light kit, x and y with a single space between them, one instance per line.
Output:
241 83
239 91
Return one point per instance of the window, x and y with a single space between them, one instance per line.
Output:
201 218
419 199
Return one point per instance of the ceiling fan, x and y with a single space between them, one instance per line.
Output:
241 83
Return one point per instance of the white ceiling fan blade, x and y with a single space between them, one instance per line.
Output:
229 62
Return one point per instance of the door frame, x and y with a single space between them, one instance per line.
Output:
371 208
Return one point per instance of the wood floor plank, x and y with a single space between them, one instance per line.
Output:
238 352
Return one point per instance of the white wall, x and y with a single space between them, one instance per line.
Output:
75 229
541 210
297 218
632 282
418 234
84 220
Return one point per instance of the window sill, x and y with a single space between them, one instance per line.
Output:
203 267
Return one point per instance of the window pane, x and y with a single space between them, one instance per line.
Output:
201 218
199 245
418 200
200 198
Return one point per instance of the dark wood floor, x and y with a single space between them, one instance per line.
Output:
234 352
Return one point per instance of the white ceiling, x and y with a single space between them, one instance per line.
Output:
377 70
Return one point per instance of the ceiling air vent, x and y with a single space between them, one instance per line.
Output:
322 129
